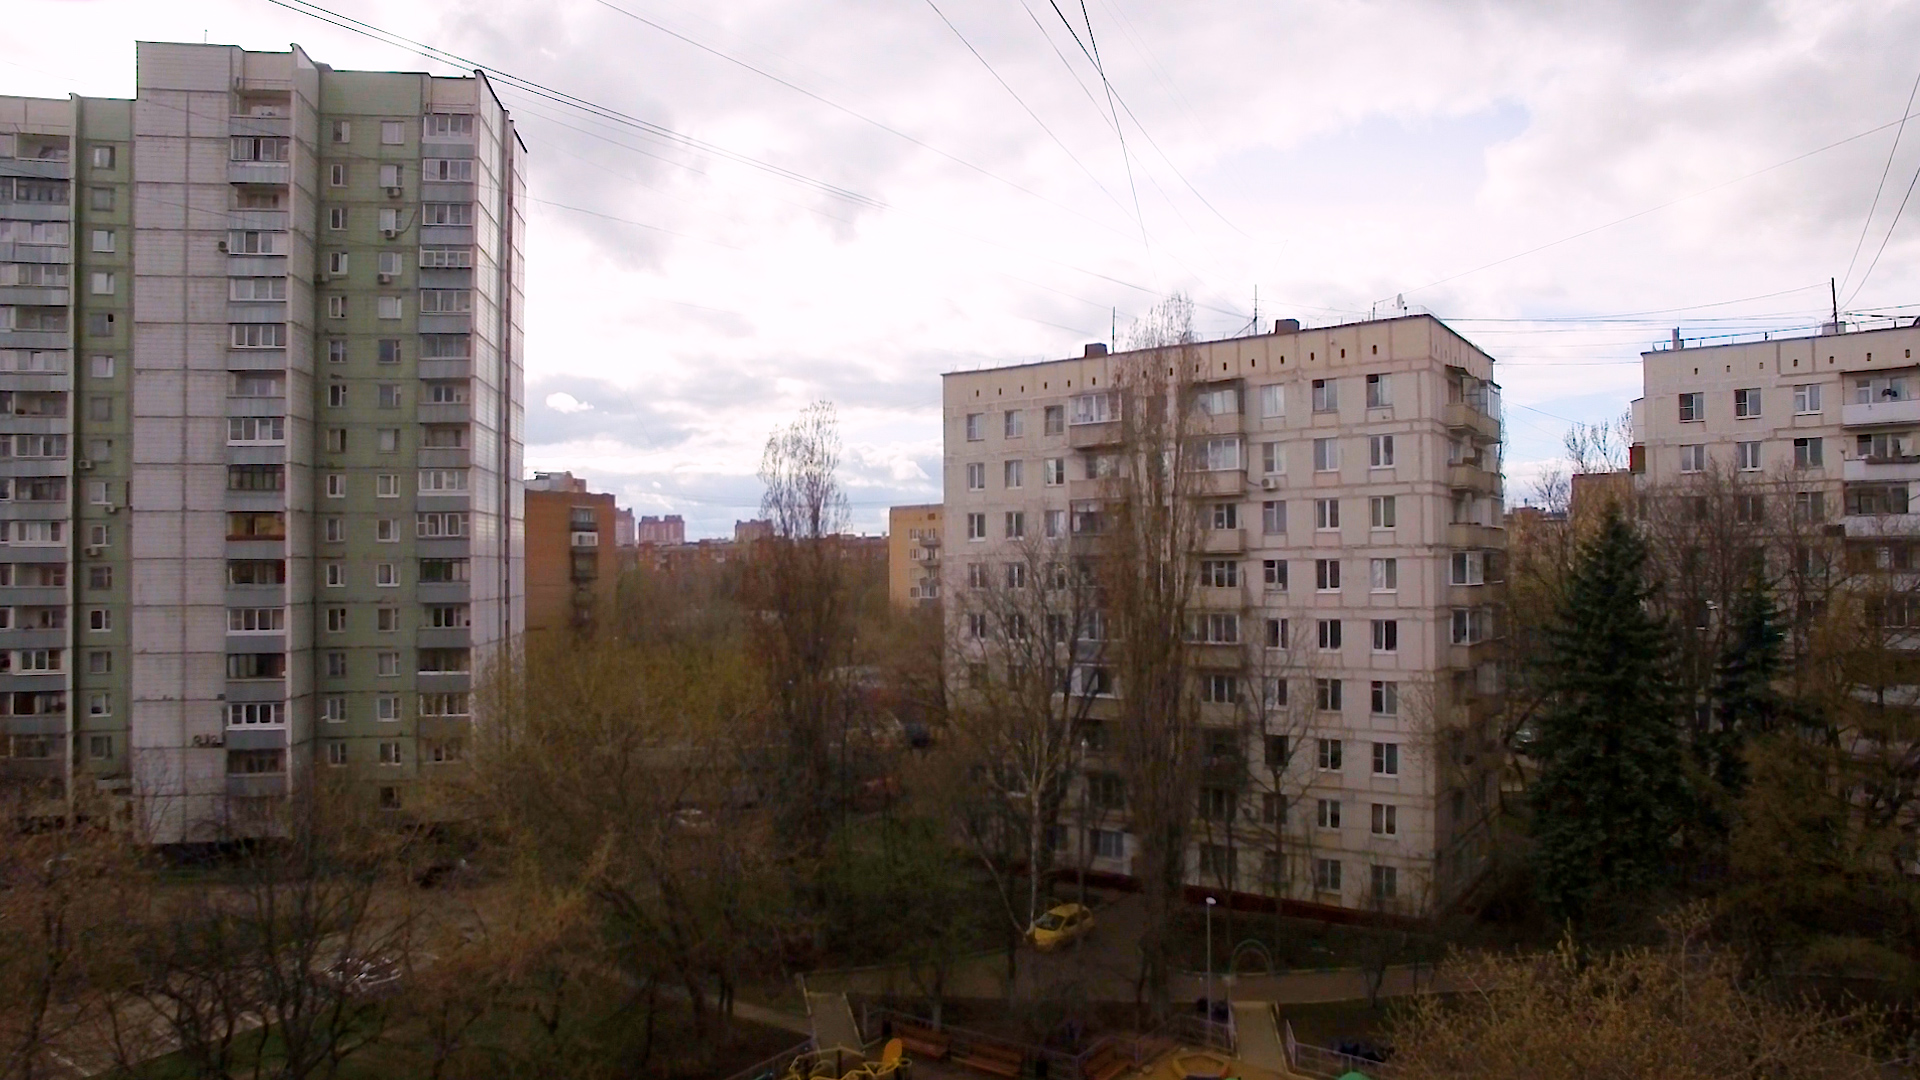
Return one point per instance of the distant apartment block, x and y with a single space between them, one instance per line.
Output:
260 363
572 563
671 529
1350 498
913 554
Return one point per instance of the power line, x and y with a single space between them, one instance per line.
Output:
1881 186
1662 206
1022 103
1892 225
1126 159
798 89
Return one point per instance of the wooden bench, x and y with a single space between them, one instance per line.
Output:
920 1041
1109 1061
998 1060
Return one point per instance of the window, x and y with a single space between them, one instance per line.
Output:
1329 814
1016 575
1386 820
1225 515
439 481
1748 456
1013 474
449 617
1326 513
1380 510
1277 639
1219 573
1386 635
389 220
99 746
1386 759
1094 409
391 133
1219 689
1329 630
1327 697
1810 505
99 620
103 240
1273 517
442 125
388 307
99 662
100 198
389 176
1220 455
1326 575
336 395
1746 404
1056 523
1380 451
976 476
387 440
439 570
103 157
258 148
1326 875
1016 524
1326 455
1806 398
1383 575
1054 471
387 620
1749 509
336 665
1273 574
336 620
1379 392
386 486
336 751
385 576
100 283
1693 458
256 430
336 307
976 526
342 131
1326 396
446 214
1467 568
1273 459
449 523
1385 698
1386 881
336 485
1693 408
1273 400
99 578
1807 453
976 427
1014 424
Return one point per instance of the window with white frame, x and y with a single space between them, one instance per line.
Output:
1273 517
1386 635
1273 459
1055 471
1746 403
1013 424
1379 391
1273 400
1693 457
1381 511
1326 575
1273 574
1328 631
976 526
1329 814
1808 453
1386 820
1016 524
1468 568
1693 408
1386 759
1383 575
1747 454
1013 474
976 426
1220 455
1326 455
1326 396
1326 514
1385 698
1806 398
1380 451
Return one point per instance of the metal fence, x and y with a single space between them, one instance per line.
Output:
1319 1061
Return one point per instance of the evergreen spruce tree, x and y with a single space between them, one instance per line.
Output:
1746 701
1610 794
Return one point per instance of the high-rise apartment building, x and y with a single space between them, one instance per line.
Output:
1348 566
261 364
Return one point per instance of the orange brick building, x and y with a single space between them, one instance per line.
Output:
572 560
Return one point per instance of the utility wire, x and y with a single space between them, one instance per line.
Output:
1881 186
798 89
1023 105
1892 225
1126 159
1662 206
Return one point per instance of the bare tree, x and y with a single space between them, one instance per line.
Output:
802 629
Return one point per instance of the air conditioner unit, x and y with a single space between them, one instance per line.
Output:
390 233
1270 483
222 245
94 550
83 465
393 193
386 279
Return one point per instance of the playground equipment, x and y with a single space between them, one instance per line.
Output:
847 1063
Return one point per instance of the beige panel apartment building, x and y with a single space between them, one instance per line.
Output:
913 554
1353 491
1830 420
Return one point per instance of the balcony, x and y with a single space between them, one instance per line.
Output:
1212 483
1904 411
1473 478
583 540
1223 541
1881 468
1867 526
1465 534
257 172
1204 424
1085 436
1460 416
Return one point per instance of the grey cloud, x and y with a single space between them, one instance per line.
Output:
615 411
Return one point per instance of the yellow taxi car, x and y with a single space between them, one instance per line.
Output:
1061 924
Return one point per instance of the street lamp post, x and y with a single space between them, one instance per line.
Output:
1209 1005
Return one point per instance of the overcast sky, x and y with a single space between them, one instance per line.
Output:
874 196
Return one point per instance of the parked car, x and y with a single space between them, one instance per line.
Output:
1061 924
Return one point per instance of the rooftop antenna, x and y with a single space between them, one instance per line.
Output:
1256 309
1113 329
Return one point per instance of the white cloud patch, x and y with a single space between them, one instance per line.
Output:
562 402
